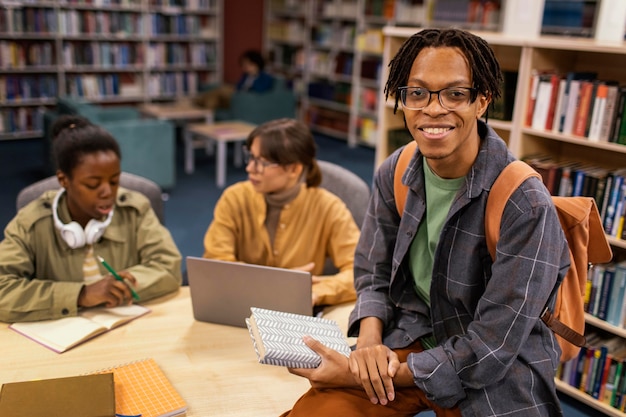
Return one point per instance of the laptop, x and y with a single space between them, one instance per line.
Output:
222 292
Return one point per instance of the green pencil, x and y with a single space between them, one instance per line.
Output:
118 277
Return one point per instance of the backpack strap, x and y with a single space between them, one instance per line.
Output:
511 177
509 180
400 190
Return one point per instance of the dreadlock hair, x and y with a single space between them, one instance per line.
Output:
484 67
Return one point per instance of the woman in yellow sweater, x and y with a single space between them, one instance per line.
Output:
281 217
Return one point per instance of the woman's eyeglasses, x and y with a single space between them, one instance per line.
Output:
258 163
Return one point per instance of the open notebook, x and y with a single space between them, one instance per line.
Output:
63 334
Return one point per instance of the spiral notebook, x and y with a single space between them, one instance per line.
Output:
141 388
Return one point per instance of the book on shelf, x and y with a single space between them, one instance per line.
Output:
585 98
619 115
532 96
565 117
277 337
545 100
609 112
610 212
615 303
84 396
605 291
141 388
63 334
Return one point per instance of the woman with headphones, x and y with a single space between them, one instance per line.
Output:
49 265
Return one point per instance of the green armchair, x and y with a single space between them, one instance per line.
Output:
259 108
253 107
148 146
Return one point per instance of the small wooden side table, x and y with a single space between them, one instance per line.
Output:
221 133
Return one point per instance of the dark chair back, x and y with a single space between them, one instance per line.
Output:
127 180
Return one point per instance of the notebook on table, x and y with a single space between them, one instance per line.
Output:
223 292
142 389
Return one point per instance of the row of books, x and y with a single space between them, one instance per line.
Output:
179 83
480 14
181 54
89 22
410 11
102 54
190 25
577 103
319 117
323 62
100 3
604 293
367 130
568 17
325 90
286 31
368 100
28 20
326 34
93 86
290 56
334 9
599 370
15 88
26 54
22 119
607 187
186 4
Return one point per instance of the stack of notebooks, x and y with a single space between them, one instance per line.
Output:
138 388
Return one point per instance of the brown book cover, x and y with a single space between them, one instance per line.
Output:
76 396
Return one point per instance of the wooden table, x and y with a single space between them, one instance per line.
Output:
220 133
214 367
181 114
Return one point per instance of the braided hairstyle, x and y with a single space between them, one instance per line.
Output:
73 137
484 67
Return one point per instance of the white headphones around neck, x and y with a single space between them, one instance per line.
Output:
73 233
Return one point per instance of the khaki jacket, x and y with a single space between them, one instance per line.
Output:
315 226
41 276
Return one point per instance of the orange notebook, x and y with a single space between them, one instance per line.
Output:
141 388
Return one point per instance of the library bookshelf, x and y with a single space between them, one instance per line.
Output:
332 51
106 51
525 55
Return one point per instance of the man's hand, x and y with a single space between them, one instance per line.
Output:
333 372
107 291
375 366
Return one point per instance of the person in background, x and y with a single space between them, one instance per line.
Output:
49 265
280 216
439 324
254 78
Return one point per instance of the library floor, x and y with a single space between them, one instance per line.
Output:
189 209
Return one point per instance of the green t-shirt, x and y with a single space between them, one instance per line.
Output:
440 193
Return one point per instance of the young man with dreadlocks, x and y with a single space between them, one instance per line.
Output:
440 326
